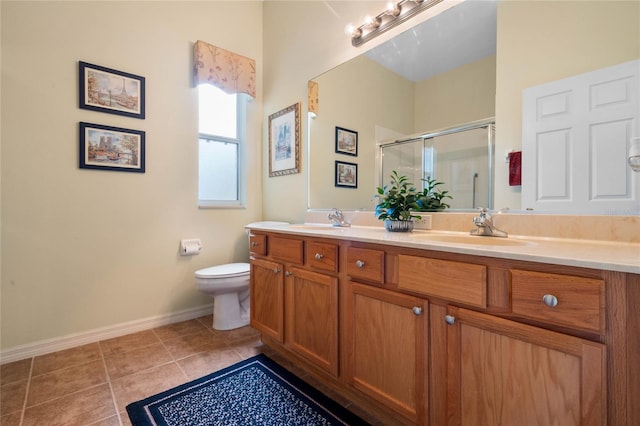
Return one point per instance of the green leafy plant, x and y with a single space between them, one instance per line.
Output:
431 199
397 199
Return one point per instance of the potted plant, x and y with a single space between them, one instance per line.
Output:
396 203
431 199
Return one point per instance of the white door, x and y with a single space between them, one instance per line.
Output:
575 139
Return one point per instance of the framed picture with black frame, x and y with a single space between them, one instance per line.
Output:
111 148
107 90
346 141
346 174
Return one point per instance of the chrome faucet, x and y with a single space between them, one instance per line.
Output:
485 226
338 218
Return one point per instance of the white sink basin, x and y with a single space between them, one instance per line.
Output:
472 240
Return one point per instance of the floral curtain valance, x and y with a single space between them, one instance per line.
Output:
226 70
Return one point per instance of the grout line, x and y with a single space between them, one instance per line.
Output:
113 395
26 393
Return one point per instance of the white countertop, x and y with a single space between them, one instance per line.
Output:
607 255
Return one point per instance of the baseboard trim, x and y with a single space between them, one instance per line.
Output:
42 347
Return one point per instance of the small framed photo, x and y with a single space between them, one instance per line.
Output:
111 148
346 174
112 91
284 141
346 141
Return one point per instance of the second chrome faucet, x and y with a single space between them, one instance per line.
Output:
485 226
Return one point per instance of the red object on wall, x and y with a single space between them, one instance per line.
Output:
515 168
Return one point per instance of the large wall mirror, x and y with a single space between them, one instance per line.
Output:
439 74
481 65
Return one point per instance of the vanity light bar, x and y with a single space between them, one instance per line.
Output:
394 14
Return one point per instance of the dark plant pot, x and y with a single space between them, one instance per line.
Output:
398 225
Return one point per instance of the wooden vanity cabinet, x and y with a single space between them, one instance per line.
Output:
501 372
294 305
435 338
387 348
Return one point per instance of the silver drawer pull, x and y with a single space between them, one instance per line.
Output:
550 300
254 244
417 310
360 263
276 271
319 256
288 273
450 319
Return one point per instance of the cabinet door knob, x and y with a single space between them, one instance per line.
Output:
550 300
360 263
254 244
319 256
287 273
276 271
417 310
450 319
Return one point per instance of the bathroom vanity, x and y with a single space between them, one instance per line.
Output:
445 328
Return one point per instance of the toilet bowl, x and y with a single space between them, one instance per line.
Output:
229 286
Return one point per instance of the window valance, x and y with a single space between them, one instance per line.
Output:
226 70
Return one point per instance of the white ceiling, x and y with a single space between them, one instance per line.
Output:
462 34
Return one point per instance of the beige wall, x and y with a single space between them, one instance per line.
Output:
459 96
85 249
541 41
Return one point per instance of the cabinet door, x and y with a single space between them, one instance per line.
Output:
311 310
504 373
388 348
266 296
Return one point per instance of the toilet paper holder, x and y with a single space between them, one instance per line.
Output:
190 247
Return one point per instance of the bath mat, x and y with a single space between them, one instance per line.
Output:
256 391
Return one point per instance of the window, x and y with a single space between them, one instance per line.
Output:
221 148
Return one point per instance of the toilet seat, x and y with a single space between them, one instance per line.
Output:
229 270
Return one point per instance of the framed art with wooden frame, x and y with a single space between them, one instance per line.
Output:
346 141
111 148
346 174
112 91
284 141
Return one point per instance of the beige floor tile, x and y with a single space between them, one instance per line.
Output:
12 397
205 363
242 333
249 347
15 371
124 418
109 421
128 343
137 360
80 408
135 387
191 344
66 358
55 384
12 419
178 329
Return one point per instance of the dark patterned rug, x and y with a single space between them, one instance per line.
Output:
256 391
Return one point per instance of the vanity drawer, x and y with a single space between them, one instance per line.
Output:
322 256
366 264
564 300
286 249
454 281
258 244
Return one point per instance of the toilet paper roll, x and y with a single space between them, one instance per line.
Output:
190 247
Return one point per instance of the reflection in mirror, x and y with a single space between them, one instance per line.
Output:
394 90
461 157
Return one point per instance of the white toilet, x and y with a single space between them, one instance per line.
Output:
229 286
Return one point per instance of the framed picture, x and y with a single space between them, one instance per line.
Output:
346 174
107 90
111 148
284 141
346 141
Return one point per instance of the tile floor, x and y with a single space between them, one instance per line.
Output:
92 384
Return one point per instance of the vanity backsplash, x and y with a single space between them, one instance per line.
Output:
624 229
